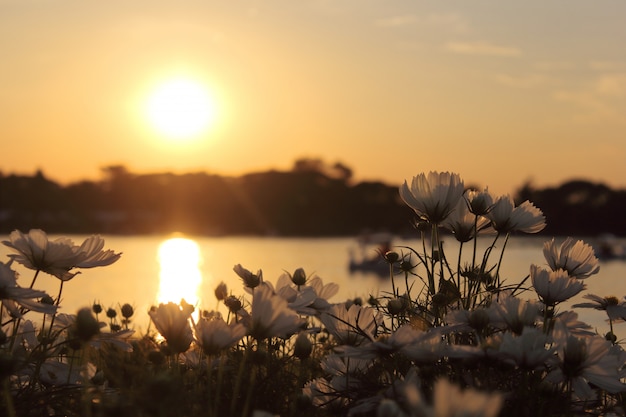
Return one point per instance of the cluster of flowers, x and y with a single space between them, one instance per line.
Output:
448 340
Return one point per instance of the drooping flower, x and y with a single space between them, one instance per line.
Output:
433 197
554 287
576 257
172 322
271 316
12 297
215 335
250 280
59 256
506 218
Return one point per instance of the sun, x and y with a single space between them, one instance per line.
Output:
181 108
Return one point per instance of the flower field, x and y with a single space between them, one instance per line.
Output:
455 340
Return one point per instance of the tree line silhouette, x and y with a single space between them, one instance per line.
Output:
311 199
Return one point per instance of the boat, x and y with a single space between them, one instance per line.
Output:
608 247
369 255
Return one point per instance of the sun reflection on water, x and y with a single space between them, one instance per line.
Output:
180 276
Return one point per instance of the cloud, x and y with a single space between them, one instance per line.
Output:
452 22
396 21
607 65
594 108
434 21
483 49
524 81
613 85
554 66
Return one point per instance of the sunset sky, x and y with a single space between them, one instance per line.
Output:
501 92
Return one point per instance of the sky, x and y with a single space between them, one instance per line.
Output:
501 92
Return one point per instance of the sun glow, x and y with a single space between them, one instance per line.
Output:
181 108
180 275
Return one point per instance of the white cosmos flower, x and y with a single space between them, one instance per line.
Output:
576 257
434 196
271 316
59 256
464 224
404 336
506 218
479 202
12 297
513 313
172 322
587 360
351 326
528 350
614 308
554 287
215 335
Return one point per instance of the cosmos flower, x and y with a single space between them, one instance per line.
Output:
215 335
434 196
464 224
59 256
614 308
576 257
554 287
587 360
12 297
172 322
271 316
479 202
506 218
513 313
351 326
404 336
527 350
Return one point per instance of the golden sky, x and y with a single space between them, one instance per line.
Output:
499 91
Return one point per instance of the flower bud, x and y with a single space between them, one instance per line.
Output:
406 266
610 336
46 299
298 277
478 319
233 304
186 307
221 291
96 308
127 311
111 313
303 346
395 306
391 256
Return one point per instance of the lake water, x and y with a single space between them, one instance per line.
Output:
151 270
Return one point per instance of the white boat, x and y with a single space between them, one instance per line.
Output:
369 255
